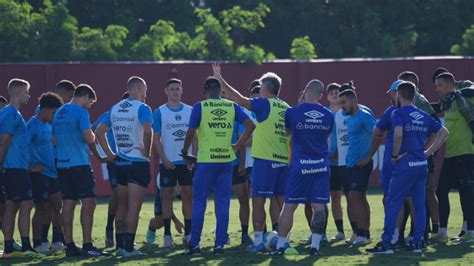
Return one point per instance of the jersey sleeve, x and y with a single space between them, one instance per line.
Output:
97 122
288 119
157 121
107 121
384 122
84 120
369 122
240 116
261 108
433 126
145 114
195 118
9 124
396 119
31 129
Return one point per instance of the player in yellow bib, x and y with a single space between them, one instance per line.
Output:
269 147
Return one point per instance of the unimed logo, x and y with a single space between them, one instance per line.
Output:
218 112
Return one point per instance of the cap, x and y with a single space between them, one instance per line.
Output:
394 86
211 82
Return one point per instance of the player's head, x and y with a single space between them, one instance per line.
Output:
444 83
409 76
65 89
270 84
19 91
3 102
212 88
436 73
393 91
49 102
254 89
314 91
348 101
137 88
406 92
125 95
174 90
84 96
332 91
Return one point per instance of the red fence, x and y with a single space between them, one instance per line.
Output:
372 78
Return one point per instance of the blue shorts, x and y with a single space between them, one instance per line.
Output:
308 182
269 178
17 184
386 176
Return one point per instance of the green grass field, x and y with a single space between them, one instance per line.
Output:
338 253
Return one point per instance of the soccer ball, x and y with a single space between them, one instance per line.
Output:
270 240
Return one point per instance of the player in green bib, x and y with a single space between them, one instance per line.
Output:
213 122
269 147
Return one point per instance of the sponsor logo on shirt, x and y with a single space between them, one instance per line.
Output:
416 115
314 170
179 133
278 165
309 161
125 105
302 126
177 117
218 112
282 114
313 114
417 163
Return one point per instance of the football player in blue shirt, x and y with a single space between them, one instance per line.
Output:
413 128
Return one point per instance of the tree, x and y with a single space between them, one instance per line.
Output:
467 45
302 49
96 44
14 31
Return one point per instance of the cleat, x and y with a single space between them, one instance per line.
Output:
43 248
360 241
381 248
278 252
119 252
57 246
219 250
351 240
192 251
167 241
94 252
338 237
246 239
73 252
254 249
109 239
313 251
134 253
150 237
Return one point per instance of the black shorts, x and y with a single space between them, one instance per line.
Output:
238 179
137 173
43 187
112 170
180 175
431 164
3 196
457 171
17 184
248 172
340 179
76 182
158 207
359 177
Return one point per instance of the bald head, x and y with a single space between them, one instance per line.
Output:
314 90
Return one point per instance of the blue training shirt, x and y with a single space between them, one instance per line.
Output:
12 122
70 121
359 126
385 124
417 127
110 133
310 126
41 146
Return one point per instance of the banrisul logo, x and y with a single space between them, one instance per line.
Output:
125 105
282 114
313 114
416 115
179 133
218 112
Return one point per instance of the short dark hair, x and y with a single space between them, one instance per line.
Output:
347 86
85 90
65 85
407 90
212 83
17 83
255 89
351 94
50 100
273 82
333 86
446 76
173 80
255 82
125 95
438 71
3 100
134 81
409 76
